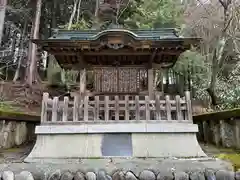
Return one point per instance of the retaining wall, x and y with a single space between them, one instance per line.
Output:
17 129
219 128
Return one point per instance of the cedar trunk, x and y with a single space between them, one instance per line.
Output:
32 70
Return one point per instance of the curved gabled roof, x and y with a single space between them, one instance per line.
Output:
128 46
91 35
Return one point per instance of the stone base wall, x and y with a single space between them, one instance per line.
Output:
125 175
224 133
15 133
115 140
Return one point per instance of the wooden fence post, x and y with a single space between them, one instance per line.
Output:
117 108
85 111
54 109
137 107
106 108
44 107
168 108
178 108
189 106
75 108
80 107
96 108
65 109
126 107
157 104
147 108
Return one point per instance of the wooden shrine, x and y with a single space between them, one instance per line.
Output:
121 60
124 114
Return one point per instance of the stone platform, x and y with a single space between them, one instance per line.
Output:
146 139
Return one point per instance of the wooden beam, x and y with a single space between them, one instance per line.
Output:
129 53
155 65
81 64
110 66
62 53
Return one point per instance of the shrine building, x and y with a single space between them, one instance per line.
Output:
123 114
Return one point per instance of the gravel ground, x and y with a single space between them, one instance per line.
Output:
12 159
17 155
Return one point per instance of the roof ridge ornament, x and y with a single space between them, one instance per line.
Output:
115 46
115 26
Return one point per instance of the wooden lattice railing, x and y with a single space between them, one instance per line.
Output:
115 108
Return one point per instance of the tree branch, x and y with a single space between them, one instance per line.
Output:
223 4
120 14
204 7
227 25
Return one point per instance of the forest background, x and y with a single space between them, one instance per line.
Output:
211 71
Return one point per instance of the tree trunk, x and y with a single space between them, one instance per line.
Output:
96 8
218 53
53 25
72 15
33 49
53 19
79 10
216 61
3 4
20 58
96 22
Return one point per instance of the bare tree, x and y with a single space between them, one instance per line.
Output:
213 21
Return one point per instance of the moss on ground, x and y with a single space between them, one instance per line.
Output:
233 158
217 115
11 150
7 106
14 114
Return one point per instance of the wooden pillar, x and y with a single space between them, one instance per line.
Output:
82 86
150 83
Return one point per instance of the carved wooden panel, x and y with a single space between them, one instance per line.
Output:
119 79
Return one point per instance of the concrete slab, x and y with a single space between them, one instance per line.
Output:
144 145
140 127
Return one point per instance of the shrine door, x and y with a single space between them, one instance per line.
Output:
118 80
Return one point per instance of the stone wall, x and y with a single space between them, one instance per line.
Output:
15 133
220 132
124 175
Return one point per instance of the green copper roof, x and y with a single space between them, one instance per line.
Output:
159 34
